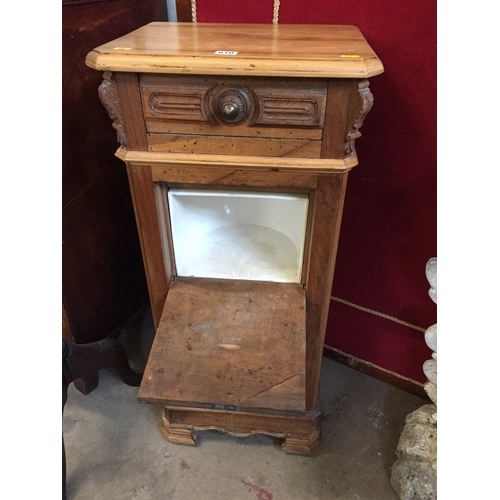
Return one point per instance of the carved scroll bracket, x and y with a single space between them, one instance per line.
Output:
361 104
108 94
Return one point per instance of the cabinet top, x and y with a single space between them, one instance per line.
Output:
289 50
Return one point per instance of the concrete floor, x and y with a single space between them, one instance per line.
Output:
115 450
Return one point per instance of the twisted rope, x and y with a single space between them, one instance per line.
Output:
276 11
193 11
379 314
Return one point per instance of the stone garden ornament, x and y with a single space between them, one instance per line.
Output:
414 474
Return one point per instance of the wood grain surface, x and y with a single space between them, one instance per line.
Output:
146 215
242 146
328 207
276 164
331 51
229 342
279 181
207 129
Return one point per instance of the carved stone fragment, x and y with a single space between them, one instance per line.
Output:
414 474
414 480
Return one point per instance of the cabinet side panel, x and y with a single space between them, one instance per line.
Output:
328 205
131 105
143 194
103 281
66 327
146 214
336 117
326 219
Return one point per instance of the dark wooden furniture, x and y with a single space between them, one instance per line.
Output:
254 108
81 364
103 282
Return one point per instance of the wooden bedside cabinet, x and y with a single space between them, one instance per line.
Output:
238 140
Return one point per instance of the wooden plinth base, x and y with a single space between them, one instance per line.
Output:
301 434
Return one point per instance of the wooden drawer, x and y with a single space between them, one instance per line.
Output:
243 116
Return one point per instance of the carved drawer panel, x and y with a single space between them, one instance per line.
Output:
301 110
176 105
237 107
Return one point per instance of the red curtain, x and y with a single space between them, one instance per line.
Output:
389 225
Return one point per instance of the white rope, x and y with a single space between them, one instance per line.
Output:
379 314
276 11
193 11
353 361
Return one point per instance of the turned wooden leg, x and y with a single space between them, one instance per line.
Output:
302 445
85 361
87 385
178 435
81 364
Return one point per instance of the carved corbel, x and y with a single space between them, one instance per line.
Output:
361 104
108 94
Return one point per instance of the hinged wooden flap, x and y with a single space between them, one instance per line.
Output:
229 342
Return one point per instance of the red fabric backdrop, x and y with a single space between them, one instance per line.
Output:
389 226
